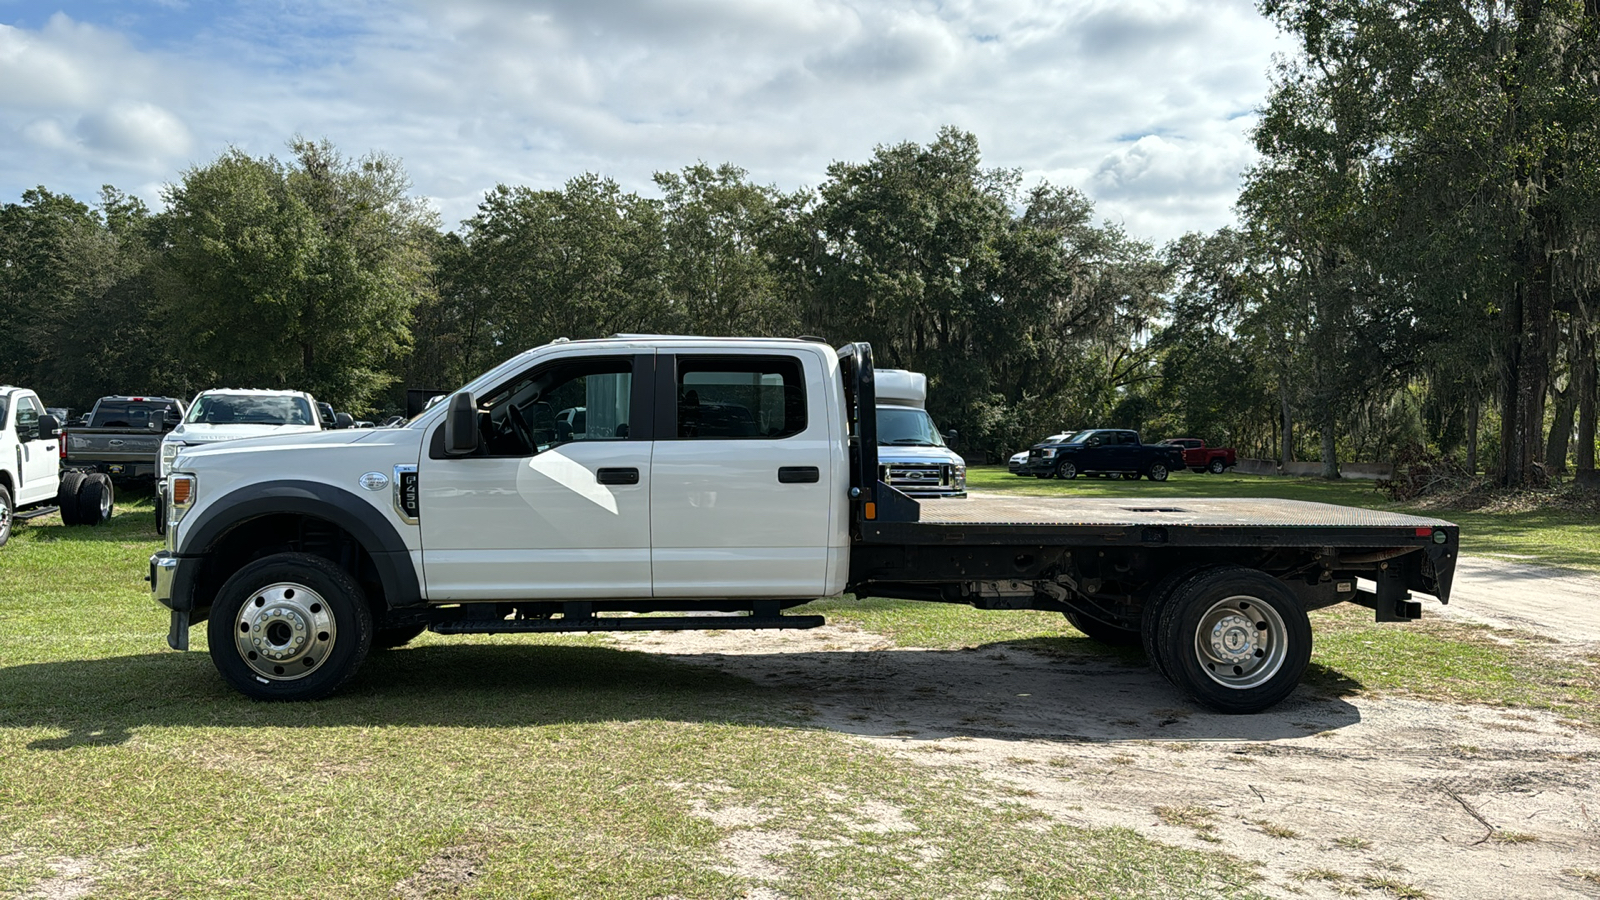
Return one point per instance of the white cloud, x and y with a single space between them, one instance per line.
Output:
1130 100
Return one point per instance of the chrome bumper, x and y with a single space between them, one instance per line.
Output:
163 572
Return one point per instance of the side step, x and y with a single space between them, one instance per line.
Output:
624 623
36 512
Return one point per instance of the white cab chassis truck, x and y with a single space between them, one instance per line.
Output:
32 483
726 476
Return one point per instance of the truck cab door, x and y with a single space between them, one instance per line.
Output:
742 477
551 506
38 457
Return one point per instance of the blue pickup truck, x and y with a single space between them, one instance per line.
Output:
1103 451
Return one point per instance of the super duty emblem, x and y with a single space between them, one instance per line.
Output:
374 481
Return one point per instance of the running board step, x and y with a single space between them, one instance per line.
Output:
35 513
625 623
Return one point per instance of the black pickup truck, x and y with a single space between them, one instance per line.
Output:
1103 451
122 437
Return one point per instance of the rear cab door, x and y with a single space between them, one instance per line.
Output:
38 461
748 458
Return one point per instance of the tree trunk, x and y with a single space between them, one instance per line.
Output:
1584 375
1555 449
1286 449
1526 367
1473 404
1330 457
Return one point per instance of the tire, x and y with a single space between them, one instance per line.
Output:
1150 617
7 510
1234 639
1103 632
290 626
67 496
1067 470
398 636
1216 467
1157 472
161 511
96 500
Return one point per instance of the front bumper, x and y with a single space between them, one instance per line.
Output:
172 585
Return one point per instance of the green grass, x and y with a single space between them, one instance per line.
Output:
503 767
1557 537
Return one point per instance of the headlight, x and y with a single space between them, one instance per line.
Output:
958 477
1047 452
169 452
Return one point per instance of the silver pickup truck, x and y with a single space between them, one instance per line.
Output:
123 436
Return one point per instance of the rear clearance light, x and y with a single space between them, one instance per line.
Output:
182 490
1424 532
63 448
869 510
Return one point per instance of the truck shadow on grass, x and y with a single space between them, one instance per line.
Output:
1002 690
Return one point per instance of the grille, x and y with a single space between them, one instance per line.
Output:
912 476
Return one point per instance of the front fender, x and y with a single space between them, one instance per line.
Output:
371 529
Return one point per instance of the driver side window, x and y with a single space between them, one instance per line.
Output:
27 419
572 400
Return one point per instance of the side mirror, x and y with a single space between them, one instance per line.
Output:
343 420
461 424
952 437
49 426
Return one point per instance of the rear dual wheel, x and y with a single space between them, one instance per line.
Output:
85 499
1234 639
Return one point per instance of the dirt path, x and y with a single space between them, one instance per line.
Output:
1558 603
1360 797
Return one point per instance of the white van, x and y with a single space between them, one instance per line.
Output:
912 455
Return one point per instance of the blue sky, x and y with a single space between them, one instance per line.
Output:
1145 105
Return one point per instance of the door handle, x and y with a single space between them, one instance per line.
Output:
798 475
617 476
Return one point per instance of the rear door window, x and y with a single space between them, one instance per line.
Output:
740 397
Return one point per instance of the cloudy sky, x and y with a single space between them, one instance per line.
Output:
1144 105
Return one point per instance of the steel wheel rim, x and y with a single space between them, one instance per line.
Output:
284 631
105 503
1241 642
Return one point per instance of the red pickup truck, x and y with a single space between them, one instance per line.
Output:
1200 458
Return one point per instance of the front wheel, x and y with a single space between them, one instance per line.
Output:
1216 467
1067 470
290 626
6 511
1234 639
1158 472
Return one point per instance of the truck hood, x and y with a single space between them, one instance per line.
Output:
200 433
912 453
277 440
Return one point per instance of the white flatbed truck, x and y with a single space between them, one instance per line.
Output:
722 476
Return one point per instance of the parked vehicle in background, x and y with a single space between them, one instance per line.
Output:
1104 451
1019 460
1200 458
303 553
31 483
912 455
122 437
231 414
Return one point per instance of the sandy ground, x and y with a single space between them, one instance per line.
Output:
1358 797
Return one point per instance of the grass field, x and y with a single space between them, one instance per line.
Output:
567 767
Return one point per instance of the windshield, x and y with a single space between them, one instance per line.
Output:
908 428
250 409
1077 437
5 405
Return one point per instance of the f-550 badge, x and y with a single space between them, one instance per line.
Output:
374 481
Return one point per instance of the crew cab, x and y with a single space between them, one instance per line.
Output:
302 553
31 482
1103 451
1201 458
122 437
